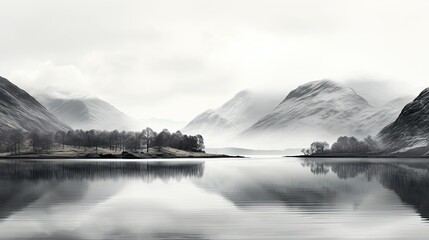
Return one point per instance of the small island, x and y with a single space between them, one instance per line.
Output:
94 144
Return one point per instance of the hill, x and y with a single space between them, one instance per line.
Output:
411 128
87 113
19 110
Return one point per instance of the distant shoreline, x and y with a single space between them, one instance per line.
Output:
352 156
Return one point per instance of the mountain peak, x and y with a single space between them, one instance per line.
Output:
86 113
246 107
320 109
423 96
314 88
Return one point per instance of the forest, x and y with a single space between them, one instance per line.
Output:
16 141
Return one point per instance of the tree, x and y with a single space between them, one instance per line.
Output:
114 136
352 145
200 143
162 139
122 137
35 138
373 145
70 138
16 138
46 141
342 145
304 151
12 140
132 141
176 140
148 135
319 147
60 137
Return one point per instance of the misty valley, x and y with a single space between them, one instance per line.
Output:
78 169
317 112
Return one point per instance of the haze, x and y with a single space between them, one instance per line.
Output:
174 59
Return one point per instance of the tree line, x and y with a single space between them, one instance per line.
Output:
13 141
345 144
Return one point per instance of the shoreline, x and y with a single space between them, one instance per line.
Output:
25 157
73 153
352 156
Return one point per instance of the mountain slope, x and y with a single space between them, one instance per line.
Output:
411 128
371 121
318 110
86 113
19 110
244 109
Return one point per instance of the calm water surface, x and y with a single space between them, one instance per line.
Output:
258 198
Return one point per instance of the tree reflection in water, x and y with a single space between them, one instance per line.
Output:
75 170
23 182
409 179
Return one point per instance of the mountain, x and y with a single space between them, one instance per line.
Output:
86 113
411 128
319 110
374 119
19 110
242 111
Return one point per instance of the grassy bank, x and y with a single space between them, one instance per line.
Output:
92 153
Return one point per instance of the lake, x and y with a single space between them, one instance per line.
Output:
255 198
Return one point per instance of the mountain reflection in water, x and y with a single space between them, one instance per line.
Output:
25 182
409 179
255 198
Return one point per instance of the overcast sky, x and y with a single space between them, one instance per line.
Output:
174 59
